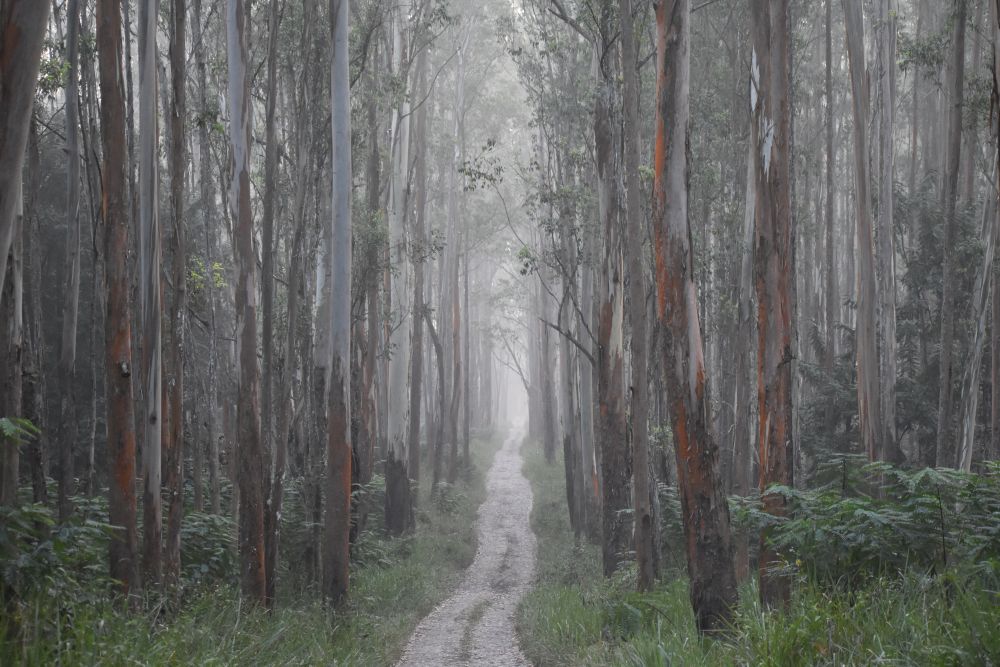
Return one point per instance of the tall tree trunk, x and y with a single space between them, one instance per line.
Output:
173 435
33 390
67 428
832 294
118 324
151 293
398 504
743 435
703 505
419 258
267 302
994 451
980 299
250 451
886 250
338 478
11 359
616 456
637 305
869 401
207 194
945 450
774 260
23 24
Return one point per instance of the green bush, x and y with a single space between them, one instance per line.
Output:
870 520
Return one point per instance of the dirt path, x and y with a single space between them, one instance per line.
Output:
475 626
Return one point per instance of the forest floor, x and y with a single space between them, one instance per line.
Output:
475 626
395 582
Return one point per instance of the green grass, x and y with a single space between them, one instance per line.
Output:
576 617
387 600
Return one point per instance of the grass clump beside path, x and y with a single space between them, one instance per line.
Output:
576 617
399 582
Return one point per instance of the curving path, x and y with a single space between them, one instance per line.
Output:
475 626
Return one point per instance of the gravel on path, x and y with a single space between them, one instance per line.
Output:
475 626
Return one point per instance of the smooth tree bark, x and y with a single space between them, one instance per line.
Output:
150 291
336 541
832 293
705 513
885 232
945 449
267 300
866 342
774 265
398 501
173 432
118 323
71 296
250 466
419 257
23 26
635 236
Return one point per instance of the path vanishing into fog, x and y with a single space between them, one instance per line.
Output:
475 626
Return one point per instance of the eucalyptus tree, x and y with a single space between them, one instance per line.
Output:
705 513
774 263
249 449
19 62
945 450
869 386
338 474
150 293
398 504
118 323
71 294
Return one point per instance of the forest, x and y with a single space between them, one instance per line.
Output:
499 332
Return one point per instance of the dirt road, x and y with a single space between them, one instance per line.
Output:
475 626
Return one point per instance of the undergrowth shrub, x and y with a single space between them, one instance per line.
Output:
869 520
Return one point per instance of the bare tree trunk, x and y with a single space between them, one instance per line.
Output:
267 303
173 435
338 482
419 258
11 356
207 195
743 435
151 293
67 428
832 293
118 333
994 451
616 457
980 300
945 450
869 402
774 260
637 307
23 23
703 503
33 390
250 450
398 503
886 248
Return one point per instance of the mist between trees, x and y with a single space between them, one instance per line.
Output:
262 260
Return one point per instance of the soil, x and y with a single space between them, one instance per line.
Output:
475 626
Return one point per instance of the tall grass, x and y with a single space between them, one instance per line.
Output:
576 617
399 582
